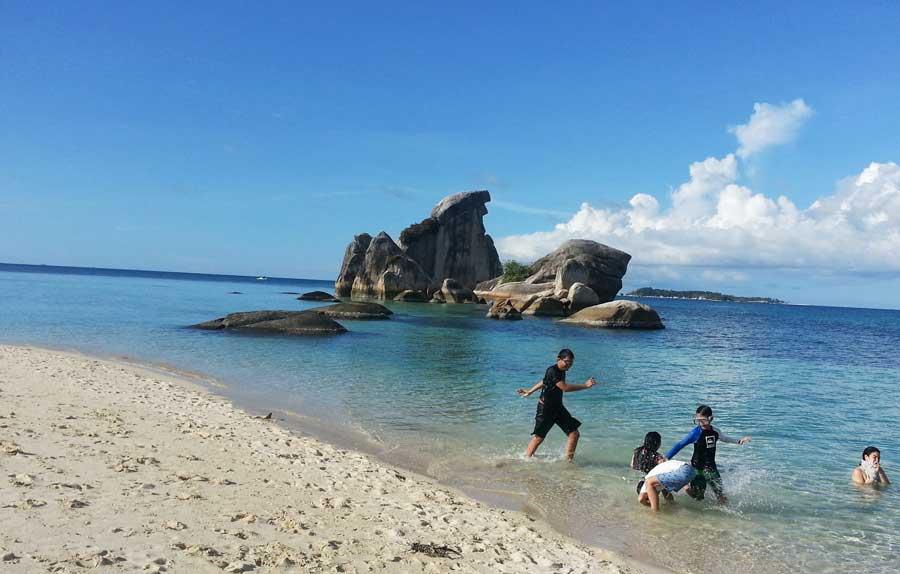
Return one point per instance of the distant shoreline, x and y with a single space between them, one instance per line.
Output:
650 292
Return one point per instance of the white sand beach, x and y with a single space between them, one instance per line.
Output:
110 467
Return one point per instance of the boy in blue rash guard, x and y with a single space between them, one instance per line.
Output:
704 438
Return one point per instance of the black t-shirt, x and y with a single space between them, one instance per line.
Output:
551 395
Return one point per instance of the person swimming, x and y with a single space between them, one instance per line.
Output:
870 470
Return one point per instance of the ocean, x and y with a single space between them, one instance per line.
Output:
433 389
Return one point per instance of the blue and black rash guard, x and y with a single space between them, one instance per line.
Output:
704 441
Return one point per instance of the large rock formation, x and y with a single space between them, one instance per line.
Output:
280 322
354 259
597 266
578 274
386 271
618 314
452 243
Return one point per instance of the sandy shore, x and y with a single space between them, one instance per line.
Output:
109 467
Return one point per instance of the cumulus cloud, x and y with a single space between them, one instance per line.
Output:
714 221
770 126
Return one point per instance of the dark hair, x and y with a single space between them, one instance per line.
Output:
645 456
869 450
566 354
704 411
652 440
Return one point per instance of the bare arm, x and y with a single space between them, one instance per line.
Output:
859 477
883 474
528 392
567 388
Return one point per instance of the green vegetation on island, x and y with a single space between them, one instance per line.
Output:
704 295
515 271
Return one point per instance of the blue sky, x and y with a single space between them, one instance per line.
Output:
257 140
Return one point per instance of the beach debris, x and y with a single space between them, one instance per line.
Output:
268 417
239 566
73 503
435 551
78 487
175 525
10 448
94 560
27 504
22 479
9 556
188 496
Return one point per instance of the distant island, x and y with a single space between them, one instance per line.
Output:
702 295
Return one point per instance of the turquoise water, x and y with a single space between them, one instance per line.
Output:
434 388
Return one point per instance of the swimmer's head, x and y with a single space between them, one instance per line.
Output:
703 416
871 454
652 440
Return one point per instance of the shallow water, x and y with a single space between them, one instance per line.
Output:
434 388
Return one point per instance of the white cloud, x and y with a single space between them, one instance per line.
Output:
770 126
713 221
856 228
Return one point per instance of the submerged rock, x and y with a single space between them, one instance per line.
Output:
504 310
355 310
410 296
283 322
617 314
318 296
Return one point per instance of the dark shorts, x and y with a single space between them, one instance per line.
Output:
546 418
705 477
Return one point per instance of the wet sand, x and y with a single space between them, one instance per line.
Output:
113 467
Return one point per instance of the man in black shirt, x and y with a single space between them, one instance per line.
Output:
550 409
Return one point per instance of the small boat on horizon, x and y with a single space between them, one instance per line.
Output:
262 278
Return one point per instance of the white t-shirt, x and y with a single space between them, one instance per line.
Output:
662 468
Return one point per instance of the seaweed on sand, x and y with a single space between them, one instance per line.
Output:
435 551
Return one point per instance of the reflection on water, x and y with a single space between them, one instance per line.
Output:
434 389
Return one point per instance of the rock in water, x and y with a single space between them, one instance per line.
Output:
283 322
618 314
318 296
597 266
504 310
547 307
387 271
452 242
354 258
410 296
517 291
581 296
453 292
355 310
